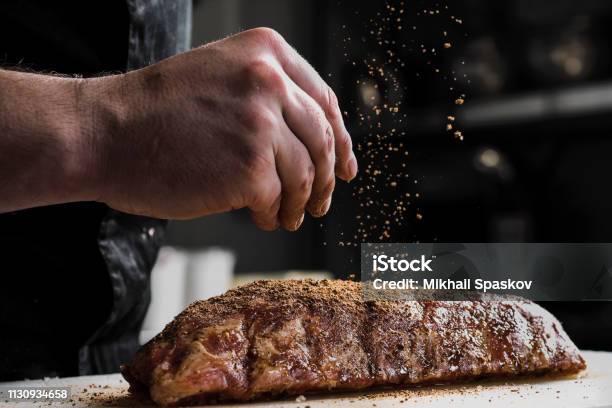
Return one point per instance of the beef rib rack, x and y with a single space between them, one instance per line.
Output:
278 338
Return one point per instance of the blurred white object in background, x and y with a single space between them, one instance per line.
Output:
167 291
179 278
209 273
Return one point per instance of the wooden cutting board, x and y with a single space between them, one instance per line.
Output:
591 389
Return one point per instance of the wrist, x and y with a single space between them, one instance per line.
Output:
101 112
75 137
55 131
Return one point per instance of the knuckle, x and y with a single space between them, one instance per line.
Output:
265 75
318 115
257 164
324 148
345 143
328 142
332 108
258 120
305 184
319 122
268 194
265 35
265 196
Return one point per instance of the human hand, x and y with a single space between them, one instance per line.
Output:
241 122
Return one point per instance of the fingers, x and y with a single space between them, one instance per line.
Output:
266 192
296 172
306 77
312 145
308 122
282 192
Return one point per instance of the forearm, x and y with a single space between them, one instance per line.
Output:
44 142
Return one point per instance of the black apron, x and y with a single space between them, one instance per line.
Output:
74 285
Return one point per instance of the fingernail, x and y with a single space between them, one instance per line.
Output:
324 208
352 167
298 224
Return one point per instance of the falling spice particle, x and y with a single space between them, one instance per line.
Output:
385 192
459 101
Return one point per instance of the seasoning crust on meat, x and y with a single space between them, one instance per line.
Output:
274 338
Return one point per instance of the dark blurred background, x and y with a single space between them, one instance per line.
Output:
534 163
